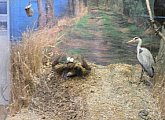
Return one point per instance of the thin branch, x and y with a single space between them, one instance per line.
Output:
153 22
149 10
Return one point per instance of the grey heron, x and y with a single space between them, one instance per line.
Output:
144 57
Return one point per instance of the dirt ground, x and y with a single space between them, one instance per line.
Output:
108 93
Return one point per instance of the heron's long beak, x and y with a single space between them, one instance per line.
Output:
130 41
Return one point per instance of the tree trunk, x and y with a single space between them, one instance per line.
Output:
50 16
85 3
70 8
159 79
107 4
73 6
42 17
77 7
112 2
126 8
97 3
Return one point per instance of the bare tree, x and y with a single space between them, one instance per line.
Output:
97 3
85 3
70 8
106 4
159 78
77 7
41 12
50 15
126 9
74 7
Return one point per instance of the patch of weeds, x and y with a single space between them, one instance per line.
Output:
135 30
112 24
109 29
82 29
83 22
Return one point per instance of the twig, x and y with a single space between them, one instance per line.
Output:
153 22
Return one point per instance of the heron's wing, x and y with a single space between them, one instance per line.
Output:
145 57
146 60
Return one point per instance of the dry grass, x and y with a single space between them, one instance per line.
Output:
28 58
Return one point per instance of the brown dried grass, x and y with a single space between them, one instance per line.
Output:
27 60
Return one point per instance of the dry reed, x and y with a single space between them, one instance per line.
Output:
26 62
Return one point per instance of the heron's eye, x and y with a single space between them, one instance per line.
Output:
136 38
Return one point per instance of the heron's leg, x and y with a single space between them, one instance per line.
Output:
141 76
142 72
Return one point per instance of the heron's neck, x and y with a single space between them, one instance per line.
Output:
139 45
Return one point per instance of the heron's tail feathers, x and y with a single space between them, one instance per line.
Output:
151 72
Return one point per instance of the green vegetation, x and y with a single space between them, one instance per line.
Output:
80 29
83 22
116 27
110 30
113 25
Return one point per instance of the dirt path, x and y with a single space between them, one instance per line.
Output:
87 38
